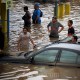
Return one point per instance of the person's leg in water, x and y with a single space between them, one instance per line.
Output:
28 27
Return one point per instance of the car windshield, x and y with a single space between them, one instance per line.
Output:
36 50
33 52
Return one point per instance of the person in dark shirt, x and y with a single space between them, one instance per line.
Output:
1 39
27 18
71 30
71 33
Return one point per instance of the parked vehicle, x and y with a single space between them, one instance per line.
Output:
62 54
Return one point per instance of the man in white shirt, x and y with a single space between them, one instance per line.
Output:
24 39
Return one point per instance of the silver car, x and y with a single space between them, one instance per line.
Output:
59 54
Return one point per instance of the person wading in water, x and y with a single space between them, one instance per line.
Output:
53 28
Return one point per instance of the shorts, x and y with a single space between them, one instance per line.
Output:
54 36
27 24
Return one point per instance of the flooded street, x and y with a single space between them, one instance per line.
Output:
12 71
39 35
37 72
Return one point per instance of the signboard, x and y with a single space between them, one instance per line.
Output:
8 4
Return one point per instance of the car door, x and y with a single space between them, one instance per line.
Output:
47 56
68 58
78 60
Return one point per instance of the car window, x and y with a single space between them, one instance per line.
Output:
46 56
68 57
78 61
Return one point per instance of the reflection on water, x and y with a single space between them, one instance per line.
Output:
40 36
37 72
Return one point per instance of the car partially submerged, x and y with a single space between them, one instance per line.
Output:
59 53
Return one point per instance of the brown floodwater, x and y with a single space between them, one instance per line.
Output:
37 72
14 71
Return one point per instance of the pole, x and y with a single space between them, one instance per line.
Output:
56 8
8 24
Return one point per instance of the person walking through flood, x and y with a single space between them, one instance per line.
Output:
1 39
24 39
53 28
27 19
71 31
71 36
37 14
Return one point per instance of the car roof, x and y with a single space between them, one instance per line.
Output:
65 45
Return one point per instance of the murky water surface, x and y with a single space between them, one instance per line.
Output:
10 71
37 72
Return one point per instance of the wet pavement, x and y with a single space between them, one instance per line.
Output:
12 71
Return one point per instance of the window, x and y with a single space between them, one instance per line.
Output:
68 57
46 56
78 59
